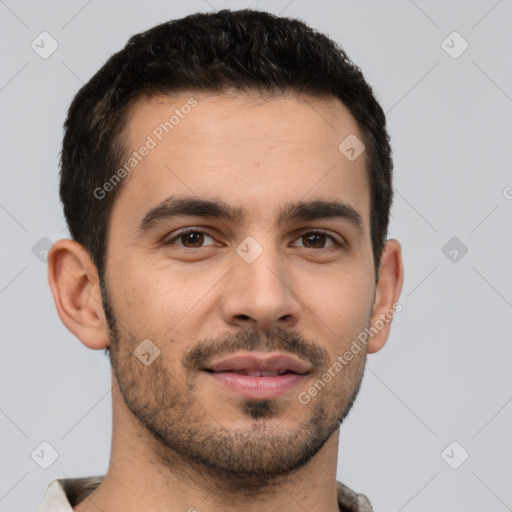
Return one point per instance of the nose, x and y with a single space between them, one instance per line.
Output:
260 294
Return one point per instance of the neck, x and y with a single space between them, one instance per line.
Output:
143 474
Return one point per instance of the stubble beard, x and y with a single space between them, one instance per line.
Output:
240 461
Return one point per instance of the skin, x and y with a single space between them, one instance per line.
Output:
180 440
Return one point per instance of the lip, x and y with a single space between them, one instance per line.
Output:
224 373
259 362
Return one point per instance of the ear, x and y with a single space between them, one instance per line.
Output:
389 286
74 283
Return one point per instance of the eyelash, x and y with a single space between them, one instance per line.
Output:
337 244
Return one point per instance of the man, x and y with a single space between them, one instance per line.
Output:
226 179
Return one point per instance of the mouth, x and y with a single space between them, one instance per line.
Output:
258 375
255 373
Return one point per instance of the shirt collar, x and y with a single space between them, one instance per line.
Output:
62 494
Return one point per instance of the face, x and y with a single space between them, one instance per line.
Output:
239 250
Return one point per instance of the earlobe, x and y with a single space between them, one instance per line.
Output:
389 286
74 283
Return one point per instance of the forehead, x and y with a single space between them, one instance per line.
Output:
199 119
251 152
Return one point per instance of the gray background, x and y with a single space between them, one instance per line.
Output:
445 374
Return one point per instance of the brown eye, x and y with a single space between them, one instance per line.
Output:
316 240
193 239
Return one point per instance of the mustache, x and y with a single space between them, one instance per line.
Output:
196 357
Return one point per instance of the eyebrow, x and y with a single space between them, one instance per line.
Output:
321 209
180 206
184 206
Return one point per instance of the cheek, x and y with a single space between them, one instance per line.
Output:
342 304
159 302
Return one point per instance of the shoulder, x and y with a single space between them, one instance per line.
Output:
63 493
351 501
